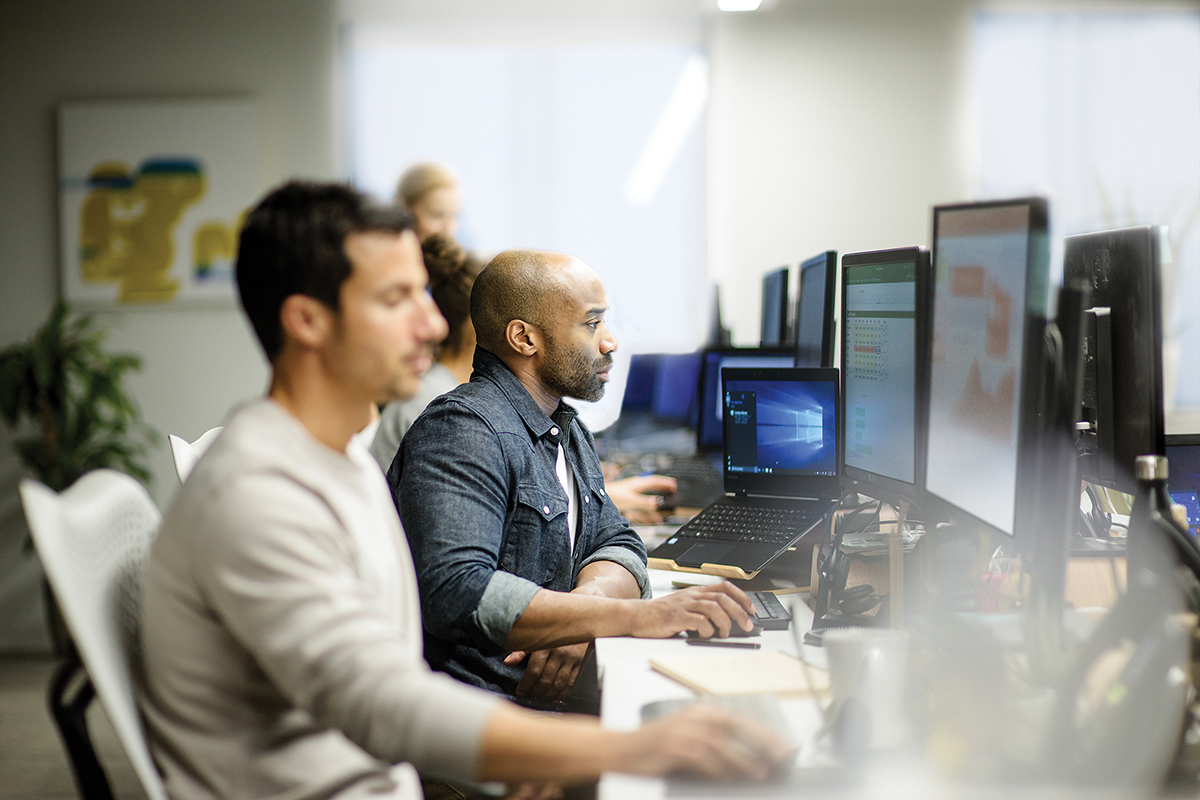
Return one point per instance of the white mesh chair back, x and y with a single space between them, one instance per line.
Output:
186 455
93 541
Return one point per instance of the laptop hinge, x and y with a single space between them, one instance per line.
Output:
777 496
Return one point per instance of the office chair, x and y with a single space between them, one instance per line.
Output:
93 540
186 455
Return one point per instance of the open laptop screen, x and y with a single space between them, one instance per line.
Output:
780 427
781 431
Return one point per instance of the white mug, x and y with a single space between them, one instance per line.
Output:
870 665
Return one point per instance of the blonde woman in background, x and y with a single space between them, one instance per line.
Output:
431 193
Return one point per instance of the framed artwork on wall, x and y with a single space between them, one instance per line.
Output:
151 198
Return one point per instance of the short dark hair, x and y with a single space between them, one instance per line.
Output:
516 284
293 242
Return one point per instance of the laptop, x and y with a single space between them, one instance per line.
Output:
781 474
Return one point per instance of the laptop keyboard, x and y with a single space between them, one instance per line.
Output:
735 523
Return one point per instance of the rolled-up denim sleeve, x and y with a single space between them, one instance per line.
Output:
450 484
503 602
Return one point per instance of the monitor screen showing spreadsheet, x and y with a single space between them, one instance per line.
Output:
880 367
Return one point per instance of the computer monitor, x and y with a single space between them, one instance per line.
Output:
1122 381
639 384
1183 483
710 426
718 334
815 322
884 319
988 316
676 377
774 308
664 385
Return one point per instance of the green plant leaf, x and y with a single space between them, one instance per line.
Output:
63 380
12 372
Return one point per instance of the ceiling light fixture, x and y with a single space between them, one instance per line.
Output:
738 5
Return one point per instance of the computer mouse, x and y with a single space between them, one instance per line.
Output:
736 630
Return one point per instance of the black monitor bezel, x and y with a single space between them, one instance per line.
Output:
1181 439
785 486
1037 265
829 261
781 335
701 445
1137 419
883 487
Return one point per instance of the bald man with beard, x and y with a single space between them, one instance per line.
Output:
522 559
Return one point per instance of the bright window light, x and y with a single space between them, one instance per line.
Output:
738 5
678 118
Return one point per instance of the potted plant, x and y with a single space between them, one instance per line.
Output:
65 399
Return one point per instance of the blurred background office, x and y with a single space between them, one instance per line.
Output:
670 145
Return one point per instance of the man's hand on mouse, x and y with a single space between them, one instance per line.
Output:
709 610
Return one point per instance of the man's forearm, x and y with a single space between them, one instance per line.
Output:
607 579
553 619
520 747
597 606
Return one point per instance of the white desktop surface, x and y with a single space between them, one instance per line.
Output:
629 683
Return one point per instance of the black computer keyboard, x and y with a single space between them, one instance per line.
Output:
699 481
737 523
769 612
693 468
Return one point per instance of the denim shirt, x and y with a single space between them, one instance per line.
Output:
486 517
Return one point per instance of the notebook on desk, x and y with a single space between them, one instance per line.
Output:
780 473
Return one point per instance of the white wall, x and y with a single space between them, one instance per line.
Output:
833 124
196 364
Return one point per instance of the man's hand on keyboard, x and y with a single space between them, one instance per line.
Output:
708 610
710 742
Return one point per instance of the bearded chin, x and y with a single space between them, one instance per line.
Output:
592 392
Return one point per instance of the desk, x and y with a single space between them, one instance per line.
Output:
629 683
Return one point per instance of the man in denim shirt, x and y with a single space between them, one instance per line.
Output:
522 559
